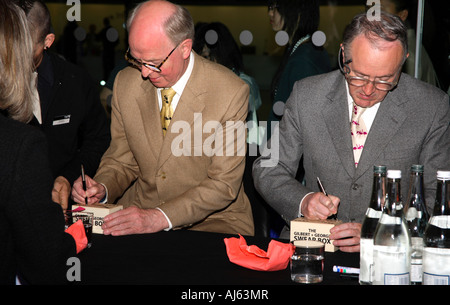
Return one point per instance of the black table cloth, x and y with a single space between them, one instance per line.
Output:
184 257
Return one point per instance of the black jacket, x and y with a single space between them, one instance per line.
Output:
73 118
32 239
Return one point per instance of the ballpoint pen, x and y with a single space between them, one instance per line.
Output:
84 183
322 189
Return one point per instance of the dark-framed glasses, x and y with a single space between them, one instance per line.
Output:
358 81
139 64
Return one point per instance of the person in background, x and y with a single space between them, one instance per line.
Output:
226 52
426 69
108 51
345 122
34 247
66 108
152 168
301 58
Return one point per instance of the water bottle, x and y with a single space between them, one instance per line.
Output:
436 252
417 216
370 222
392 241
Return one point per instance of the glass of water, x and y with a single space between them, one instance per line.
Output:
307 261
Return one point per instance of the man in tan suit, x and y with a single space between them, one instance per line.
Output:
182 177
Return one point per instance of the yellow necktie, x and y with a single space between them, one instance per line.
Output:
359 132
166 109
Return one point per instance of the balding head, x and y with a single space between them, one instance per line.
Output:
157 28
161 17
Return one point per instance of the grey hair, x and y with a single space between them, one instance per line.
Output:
178 27
388 27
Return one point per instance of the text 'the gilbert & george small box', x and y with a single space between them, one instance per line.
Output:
317 230
100 211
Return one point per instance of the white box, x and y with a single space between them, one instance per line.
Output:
318 230
100 211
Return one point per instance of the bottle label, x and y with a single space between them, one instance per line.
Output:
412 214
391 266
441 221
435 279
436 266
366 260
390 220
371 213
416 270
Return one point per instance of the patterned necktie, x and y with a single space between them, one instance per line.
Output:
166 109
358 131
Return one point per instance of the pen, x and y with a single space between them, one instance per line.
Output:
84 183
322 189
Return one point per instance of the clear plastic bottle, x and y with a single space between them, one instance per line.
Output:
392 241
370 222
436 252
417 216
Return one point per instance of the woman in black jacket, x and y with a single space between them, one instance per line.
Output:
33 245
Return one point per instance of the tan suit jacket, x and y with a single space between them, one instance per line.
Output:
145 169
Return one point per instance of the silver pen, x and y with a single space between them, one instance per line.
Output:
322 189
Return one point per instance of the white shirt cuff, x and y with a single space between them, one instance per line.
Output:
168 220
300 205
105 199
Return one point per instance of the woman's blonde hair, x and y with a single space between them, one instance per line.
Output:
16 63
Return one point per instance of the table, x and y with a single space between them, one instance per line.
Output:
184 257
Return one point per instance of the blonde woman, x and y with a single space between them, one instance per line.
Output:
33 245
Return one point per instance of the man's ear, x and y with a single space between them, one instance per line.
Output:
186 47
49 40
343 53
403 15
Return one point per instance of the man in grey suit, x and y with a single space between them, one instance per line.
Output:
406 122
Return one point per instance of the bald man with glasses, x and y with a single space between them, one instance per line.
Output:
345 122
167 87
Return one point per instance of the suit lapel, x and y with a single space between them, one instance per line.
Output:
387 122
150 115
335 115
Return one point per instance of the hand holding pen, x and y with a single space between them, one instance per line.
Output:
322 189
84 185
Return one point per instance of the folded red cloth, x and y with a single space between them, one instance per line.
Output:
276 258
79 234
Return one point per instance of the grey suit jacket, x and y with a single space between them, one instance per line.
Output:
411 127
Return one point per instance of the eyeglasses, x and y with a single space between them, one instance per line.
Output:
139 64
361 81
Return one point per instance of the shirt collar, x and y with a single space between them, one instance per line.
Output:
181 83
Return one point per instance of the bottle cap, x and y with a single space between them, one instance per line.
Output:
379 169
443 175
417 168
394 174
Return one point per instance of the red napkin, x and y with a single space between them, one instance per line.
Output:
79 234
276 258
